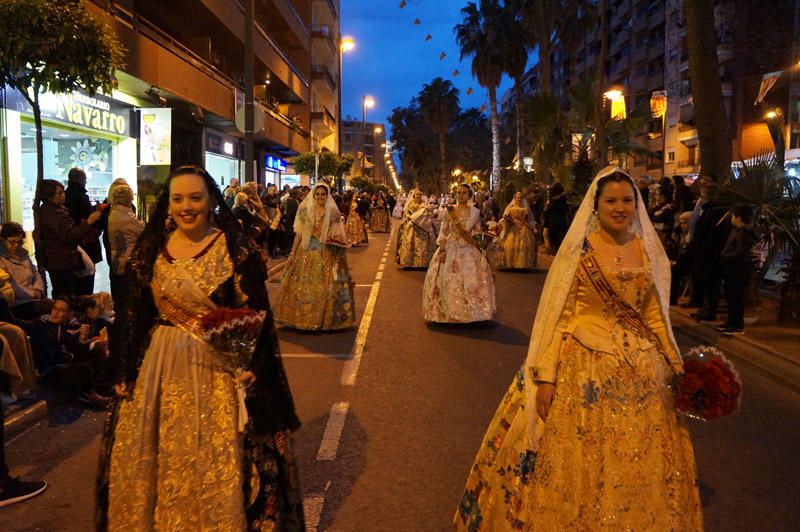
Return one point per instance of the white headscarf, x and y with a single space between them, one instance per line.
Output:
523 203
562 273
332 227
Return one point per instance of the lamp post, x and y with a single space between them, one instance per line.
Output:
346 44
366 101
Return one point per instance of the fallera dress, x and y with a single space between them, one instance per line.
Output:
459 285
179 461
316 292
613 455
416 241
356 229
516 244
380 222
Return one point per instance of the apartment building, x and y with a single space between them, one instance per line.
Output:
647 52
326 74
366 143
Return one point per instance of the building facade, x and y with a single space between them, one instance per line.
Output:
366 143
647 52
180 95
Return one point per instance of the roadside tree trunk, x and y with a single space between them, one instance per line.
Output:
495 123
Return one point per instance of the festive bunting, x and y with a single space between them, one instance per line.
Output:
767 82
402 4
456 72
417 22
482 108
469 91
428 37
442 56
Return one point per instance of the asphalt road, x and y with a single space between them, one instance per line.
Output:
389 436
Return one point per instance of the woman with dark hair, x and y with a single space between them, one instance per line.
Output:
682 197
199 437
459 285
316 293
381 221
588 435
29 301
60 237
356 229
556 217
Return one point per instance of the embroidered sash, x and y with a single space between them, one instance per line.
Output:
627 316
455 221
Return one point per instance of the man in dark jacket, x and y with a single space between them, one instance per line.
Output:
737 263
708 235
80 207
61 237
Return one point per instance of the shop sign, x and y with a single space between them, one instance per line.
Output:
276 164
78 109
155 136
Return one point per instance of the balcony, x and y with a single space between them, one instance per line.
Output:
323 34
327 10
321 73
323 123
690 164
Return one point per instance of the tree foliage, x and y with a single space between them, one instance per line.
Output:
330 164
439 104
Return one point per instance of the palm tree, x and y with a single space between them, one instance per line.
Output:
438 101
515 50
479 36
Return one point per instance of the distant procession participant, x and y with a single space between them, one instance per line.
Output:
416 241
380 222
356 228
459 285
516 249
399 206
316 293
199 436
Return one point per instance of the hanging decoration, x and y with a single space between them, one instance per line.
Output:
767 82
428 37
417 22
658 103
402 4
456 72
442 56
469 91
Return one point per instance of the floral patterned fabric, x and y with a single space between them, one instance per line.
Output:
613 455
316 292
516 246
416 240
380 222
459 285
355 228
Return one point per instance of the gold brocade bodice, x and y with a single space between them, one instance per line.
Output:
187 284
518 213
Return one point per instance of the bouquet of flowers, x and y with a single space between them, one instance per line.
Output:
710 387
482 241
234 333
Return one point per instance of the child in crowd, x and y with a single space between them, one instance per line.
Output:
737 263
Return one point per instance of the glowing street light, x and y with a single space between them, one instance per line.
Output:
615 96
347 44
771 114
378 130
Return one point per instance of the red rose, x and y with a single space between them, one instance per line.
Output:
690 383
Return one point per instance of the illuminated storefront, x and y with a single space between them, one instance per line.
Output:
273 170
92 133
222 158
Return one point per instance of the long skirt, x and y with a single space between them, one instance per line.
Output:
516 249
380 221
316 292
613 455
459 286
415 246
356 230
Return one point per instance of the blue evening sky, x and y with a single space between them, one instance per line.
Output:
392 60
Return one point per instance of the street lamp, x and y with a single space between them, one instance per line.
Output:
346 44
617 99
366 102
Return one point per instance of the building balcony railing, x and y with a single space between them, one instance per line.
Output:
331 7
323 31
688 163
321 72
685 127
322 121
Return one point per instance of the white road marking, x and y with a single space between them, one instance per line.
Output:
23 433
336 356
312 509
364 285
350 369
333 432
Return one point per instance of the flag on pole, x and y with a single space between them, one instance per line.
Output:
767 82
658 103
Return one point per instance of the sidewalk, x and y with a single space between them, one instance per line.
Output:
770 348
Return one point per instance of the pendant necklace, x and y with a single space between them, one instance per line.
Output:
618 258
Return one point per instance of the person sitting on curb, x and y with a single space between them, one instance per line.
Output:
737 264
29 300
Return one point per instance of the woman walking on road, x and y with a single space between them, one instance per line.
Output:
416 241
356 228
516 248
199 437
587 435
380 222
459 285
316 293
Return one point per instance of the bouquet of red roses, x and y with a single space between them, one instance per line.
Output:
710 387
234 333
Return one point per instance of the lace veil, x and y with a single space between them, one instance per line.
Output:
562 273
332 227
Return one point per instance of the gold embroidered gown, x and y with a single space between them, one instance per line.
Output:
355 228
516 246
380 222
316 292
177 459
416 240
613 455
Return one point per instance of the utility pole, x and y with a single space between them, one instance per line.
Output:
249 81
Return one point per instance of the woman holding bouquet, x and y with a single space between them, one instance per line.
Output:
316 293
587 436
416 242
380 222
459 285
199 436
516 249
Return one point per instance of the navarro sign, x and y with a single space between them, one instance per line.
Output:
78 109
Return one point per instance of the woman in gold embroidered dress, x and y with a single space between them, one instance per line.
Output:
201 442
380 221
516 246
587 436
356 229
416 240
459 285
316 293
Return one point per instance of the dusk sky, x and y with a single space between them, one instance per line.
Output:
392 60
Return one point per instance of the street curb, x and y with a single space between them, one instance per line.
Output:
766 360
23 419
